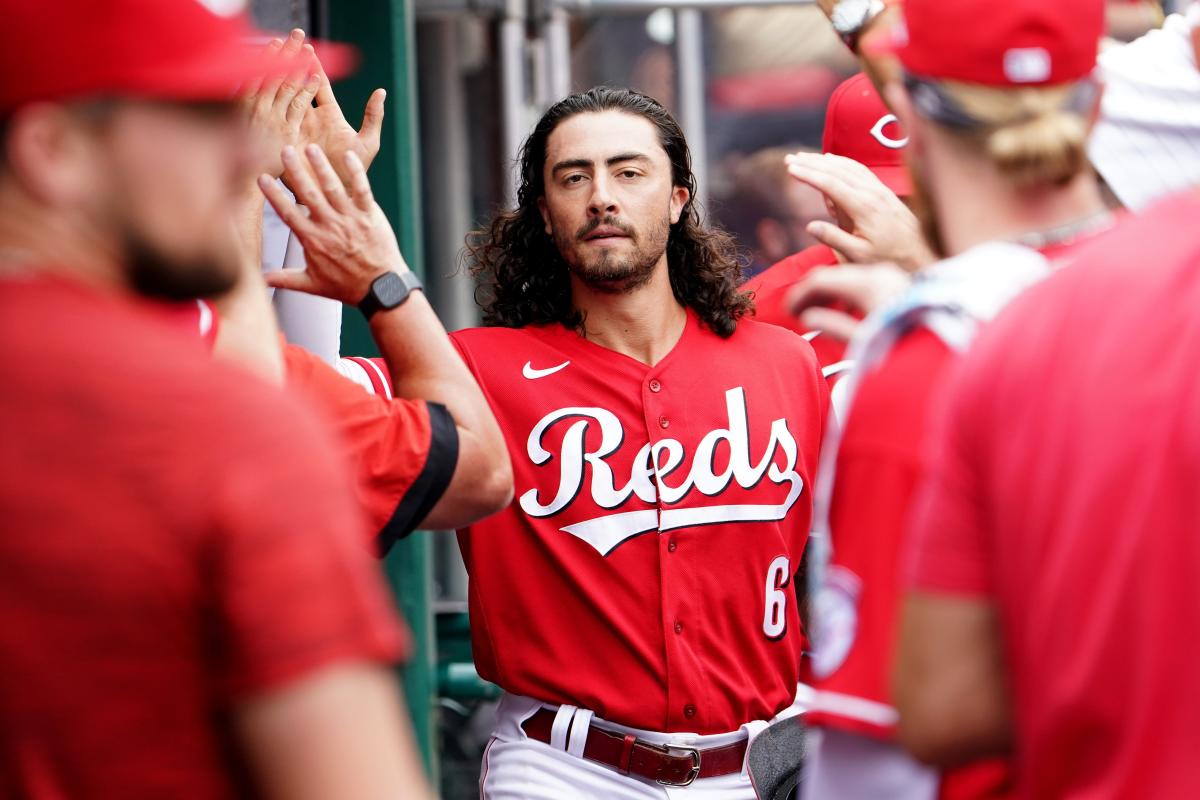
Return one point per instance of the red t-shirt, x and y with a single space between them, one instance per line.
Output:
404 451
644 570
176 538
878 466
1064 487
771 287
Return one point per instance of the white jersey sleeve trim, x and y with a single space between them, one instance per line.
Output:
851 707
349 368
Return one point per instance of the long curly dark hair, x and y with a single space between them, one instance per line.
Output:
522 278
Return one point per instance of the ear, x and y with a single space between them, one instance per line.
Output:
679 198
772 239
51 156
545 212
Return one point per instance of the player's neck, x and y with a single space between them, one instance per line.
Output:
33 240
643 324
978 207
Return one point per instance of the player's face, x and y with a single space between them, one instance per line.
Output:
609 201
172 177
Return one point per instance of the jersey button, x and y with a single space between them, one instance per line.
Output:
678 626
655 386
671 546
663 422
689 711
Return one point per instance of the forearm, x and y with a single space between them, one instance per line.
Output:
422 363
247 333
950 686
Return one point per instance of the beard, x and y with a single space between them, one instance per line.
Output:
154 273
610 272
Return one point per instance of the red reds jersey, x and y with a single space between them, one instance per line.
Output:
177 538
771 287
1063 488
644 570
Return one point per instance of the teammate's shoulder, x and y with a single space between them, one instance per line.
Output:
788 270
493 345
498 336
780 340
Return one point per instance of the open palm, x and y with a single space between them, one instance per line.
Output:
325 126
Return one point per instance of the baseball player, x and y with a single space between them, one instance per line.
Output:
860 128
637 600
1051 609
185 606
997 102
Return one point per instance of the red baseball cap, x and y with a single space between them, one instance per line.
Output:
860 127
165 49
1000 42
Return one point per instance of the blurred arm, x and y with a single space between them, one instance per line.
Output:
340 732
949 683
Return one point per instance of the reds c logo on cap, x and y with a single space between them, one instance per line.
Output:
885 140
224 8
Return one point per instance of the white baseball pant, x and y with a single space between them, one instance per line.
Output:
516 767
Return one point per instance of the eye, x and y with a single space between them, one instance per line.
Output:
628 173
575 178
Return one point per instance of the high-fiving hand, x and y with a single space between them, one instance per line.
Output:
347 239
275 109
881 227
325 126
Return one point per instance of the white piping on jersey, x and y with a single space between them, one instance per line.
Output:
533 374
851 707
837 368
383 379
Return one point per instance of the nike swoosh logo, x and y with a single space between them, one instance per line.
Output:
533 374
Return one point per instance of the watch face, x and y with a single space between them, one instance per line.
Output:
390 290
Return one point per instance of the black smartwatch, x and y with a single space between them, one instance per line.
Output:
388 291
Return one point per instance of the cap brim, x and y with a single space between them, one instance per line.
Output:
896 178
224 73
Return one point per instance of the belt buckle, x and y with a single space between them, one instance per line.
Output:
691 751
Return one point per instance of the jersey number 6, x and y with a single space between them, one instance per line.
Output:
775 613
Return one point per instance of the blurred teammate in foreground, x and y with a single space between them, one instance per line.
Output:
997 100
186 608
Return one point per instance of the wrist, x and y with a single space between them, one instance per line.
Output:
389 290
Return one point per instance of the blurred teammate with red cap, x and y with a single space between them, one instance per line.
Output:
997 100
861 173
186 608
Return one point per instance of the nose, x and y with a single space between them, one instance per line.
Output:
602 203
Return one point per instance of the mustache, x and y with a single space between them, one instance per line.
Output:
608 222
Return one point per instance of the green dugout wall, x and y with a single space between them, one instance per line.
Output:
383 31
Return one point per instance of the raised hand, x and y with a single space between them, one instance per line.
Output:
326 126
881 227
347 239
275 109
860 288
